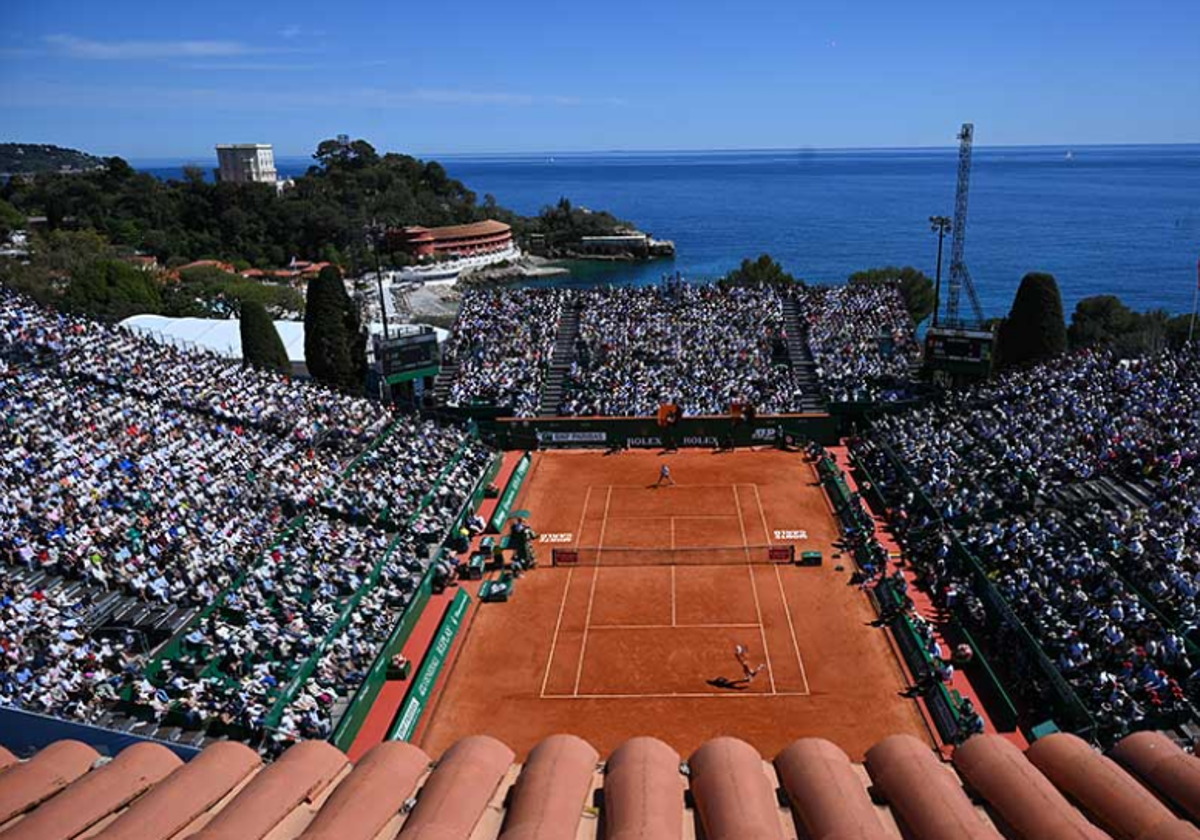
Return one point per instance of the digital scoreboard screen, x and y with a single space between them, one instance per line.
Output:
406 353
961 349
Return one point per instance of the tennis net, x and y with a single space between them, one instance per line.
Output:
689 556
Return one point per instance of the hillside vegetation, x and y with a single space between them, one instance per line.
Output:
323 217
32 158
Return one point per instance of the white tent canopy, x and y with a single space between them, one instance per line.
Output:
224 337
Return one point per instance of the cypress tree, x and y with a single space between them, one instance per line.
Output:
356 338
261 344
1035 329
326 339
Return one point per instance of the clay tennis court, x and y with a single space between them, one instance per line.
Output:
638 634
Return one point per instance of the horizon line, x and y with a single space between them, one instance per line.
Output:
433 154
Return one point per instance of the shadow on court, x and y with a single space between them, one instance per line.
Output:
728 684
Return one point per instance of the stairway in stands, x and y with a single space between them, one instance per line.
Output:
803 366
104 613
1108 492
443 381
560 362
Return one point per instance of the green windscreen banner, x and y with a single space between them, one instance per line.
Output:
435 660
509 497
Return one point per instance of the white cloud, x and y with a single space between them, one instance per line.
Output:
292 30
38 94
85 48
246 67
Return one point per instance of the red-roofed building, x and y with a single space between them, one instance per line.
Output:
486 237
298 270
217 264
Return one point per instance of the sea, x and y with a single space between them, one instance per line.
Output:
1122 220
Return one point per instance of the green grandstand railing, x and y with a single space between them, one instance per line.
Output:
943 704
294 523
355 714
347 727
297 681
173 649
1068 703
1006 715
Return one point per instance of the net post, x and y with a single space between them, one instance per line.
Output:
782 554
564 557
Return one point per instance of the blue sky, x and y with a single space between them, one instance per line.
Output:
150 79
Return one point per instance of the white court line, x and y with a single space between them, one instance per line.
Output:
583 515
673 624
762 630
763 513
737 501
592 595
792 627
678 695
622 518
596 627
649 486
554 641
562 607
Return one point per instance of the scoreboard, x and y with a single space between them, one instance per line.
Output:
405 355
959 351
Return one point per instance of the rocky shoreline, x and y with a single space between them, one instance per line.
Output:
529 267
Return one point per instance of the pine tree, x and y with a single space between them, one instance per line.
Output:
1035 329
261 344
327 341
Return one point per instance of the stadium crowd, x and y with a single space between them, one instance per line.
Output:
702 347
1107 585
167 477
502 343
861 338
374 491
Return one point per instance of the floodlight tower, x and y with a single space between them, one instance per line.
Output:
960 278
957 350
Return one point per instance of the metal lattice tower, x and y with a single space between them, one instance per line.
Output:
960 278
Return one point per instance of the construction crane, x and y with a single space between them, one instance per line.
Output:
960 278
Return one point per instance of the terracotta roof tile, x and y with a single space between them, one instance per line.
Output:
732 794
459 790
187 795
302 775
1059 788
550 797
1157 761
928 799
1108 795
52 769
382 781
98 794
643 791
1032 808
826 793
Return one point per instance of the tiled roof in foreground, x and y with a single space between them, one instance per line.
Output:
1148 789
